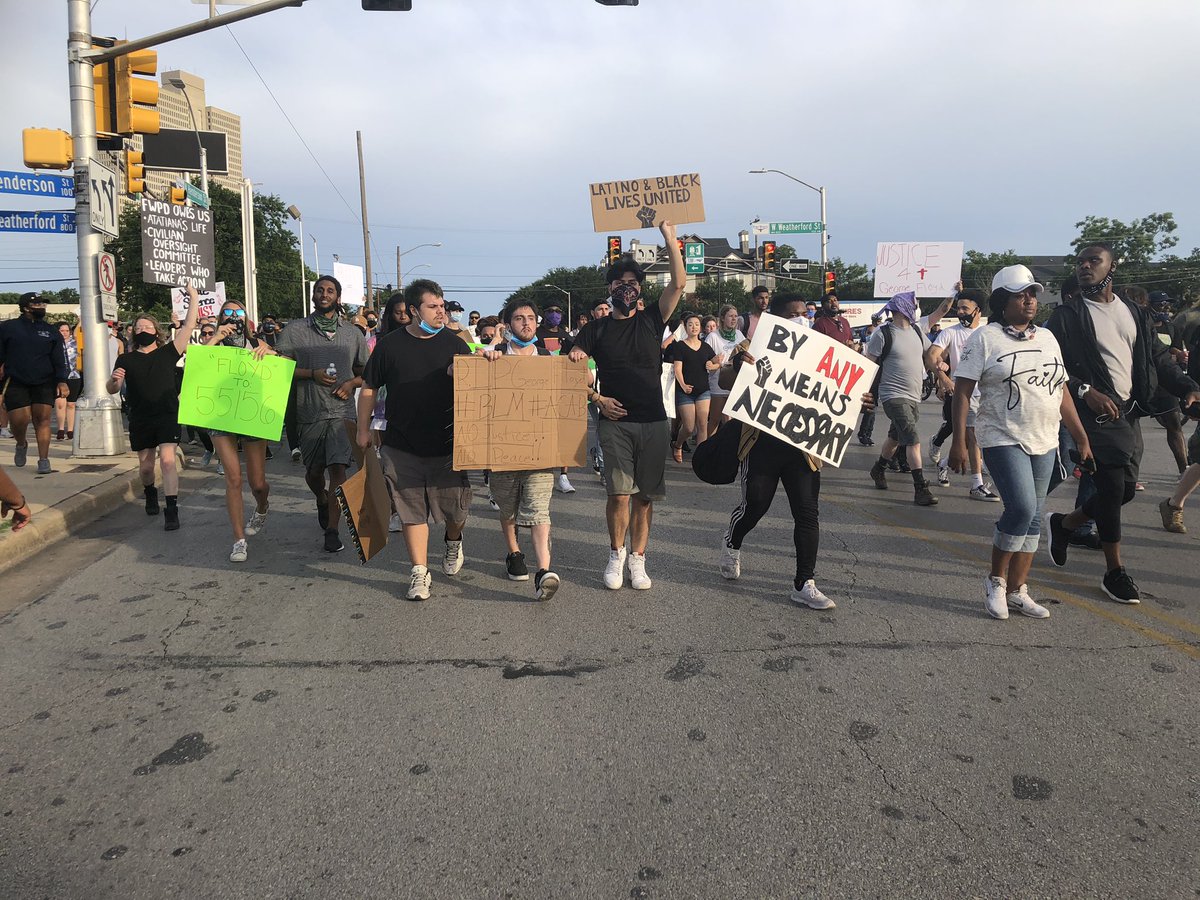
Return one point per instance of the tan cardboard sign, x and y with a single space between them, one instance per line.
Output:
365 503
519 413
645 202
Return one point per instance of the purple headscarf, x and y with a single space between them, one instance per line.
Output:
904 304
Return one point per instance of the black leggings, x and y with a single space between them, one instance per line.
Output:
768 463
1115 486
947 427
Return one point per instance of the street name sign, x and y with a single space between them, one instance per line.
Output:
177 245
794 228
60 186
197 196
32 220
693 254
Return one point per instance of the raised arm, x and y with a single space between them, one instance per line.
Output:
184 332
673 293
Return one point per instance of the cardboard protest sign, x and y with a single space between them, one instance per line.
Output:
210 301
645 202
367 507
226 389
929 268
177 245
519 413
803 388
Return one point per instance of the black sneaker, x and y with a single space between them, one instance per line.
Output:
323 512
171 518
151 493
865 441
1089 540
879 475
922 496
333 541
515 564
545 583
1120 587
1057 539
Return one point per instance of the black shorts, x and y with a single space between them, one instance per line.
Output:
19 395
147 435
74 389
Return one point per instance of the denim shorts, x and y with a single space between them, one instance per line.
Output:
682 399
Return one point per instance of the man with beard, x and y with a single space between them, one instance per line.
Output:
830 321
633 430
1115 364
35 373
760 299
330 355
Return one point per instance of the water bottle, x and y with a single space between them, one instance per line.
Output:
331 370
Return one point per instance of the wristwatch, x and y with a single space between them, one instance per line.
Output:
1081 390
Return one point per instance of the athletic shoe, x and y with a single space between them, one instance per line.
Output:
151 494
220 468
452 561
239 552
879 475
564 485
545 584
418 587
922 496
333 541
1020 601
61 435
171 518
394 523
1089 540
295 454
944 476
597 462
1172 517
1120 587
270 455
514 564
5 433
811 596
20 455
638 579
323 512
492 501
731 562
994 590
902 467
1138 486
865 441
935 453
982 493
614 573
44 467
206 458
1057 539
257 521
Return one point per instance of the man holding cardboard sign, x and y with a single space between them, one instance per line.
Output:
633 432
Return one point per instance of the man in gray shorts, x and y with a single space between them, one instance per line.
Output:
632 430
330 356
899 348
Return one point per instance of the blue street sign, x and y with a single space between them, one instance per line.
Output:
30 220
61 186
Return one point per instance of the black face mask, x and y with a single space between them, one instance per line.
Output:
38 313
625 296
967 321
144 338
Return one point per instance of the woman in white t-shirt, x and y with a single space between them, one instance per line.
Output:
723 340
1019 371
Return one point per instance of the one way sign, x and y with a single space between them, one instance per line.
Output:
794 266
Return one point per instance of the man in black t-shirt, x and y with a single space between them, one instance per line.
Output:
633 432
415 364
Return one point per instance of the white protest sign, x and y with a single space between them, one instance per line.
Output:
929 268
351 278
804 388
210 302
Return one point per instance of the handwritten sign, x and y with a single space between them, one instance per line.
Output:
519 413
645 202
930 268
367 506
803 388
226 389
210 302
177 245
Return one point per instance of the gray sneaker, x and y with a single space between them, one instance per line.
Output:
44 467
21 454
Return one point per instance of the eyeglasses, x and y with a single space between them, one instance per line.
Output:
207 332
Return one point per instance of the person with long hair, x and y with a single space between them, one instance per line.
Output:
234 330
693 362
64 407
152 393
1018 369
723 341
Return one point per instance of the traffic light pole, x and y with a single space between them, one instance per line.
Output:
98 426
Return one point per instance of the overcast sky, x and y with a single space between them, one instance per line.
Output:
999 124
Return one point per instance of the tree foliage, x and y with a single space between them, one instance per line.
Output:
1140 246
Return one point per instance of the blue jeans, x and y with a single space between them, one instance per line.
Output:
1021 480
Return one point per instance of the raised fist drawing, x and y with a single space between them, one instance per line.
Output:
647 215
763 366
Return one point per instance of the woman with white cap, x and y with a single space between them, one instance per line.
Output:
1018 368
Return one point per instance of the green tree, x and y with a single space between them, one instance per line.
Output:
585 284
979 268
713 293
1135 243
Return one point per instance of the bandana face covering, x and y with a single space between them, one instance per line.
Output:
727 334
1027 334
625 295
1096 289
553 319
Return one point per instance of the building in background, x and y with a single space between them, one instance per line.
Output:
173 113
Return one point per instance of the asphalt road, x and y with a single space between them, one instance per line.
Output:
174 725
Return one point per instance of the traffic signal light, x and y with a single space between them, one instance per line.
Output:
768 256
102 77
679 244
136 98
614 249
178 196
830 282
135 174
47 148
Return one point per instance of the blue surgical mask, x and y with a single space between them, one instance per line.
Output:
455 317
427 329
513 339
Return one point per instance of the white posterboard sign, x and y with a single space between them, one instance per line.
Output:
928 268
210 302
351 278
803 388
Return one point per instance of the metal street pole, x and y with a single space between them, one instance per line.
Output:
819 190
249 263
294 212
399 255
180 85
98 426
316 257
362 189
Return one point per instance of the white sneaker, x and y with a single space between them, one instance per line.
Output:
394 523
238 554
731 562
994 597
1020 601
935 453
638 579
256 523
418 587
452 562
944 476
492 501
614 573
220 468
982 493
811 596
564 485
295 454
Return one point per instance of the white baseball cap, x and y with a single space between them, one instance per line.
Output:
1016 279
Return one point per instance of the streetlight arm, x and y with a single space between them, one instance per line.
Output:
786 175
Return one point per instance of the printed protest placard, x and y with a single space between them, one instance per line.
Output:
177 245
210 302
645 202
930 268
858 312
519 413
365 503
227 389
804 388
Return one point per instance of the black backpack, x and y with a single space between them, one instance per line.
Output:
716 460
886 328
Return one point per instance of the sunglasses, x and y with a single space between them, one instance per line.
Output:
240 313
207 331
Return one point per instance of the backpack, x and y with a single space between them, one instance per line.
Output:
886 329
716 460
